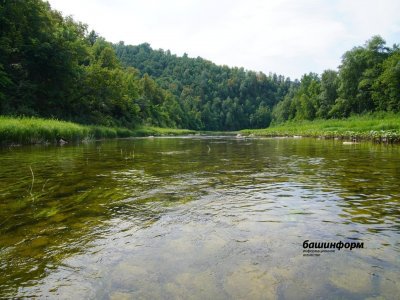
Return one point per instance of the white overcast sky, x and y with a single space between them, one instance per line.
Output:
288 37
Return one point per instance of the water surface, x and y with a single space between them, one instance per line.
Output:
199 218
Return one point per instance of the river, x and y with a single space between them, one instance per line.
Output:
200 218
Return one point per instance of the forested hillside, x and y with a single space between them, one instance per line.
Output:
52 67
215 97
219 97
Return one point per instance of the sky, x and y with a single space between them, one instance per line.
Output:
287 37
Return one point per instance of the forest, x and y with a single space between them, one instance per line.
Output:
52 67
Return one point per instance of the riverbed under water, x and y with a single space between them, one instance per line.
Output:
199 218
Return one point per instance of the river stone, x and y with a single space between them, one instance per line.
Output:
127 276
251 282
354 280
213 243
200 285
121 296
390 284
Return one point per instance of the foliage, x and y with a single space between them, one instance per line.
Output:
51 67
368 81
212 97
30 130
379 127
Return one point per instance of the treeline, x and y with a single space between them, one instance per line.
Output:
214 97
368 80
223 98
52 67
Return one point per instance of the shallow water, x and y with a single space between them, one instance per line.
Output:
199 218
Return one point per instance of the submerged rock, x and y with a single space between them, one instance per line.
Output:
193 285
354 281
121 296
250 282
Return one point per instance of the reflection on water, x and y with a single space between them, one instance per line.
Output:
199 218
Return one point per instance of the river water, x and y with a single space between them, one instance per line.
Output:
199 218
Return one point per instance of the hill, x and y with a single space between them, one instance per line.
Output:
52 67
216 97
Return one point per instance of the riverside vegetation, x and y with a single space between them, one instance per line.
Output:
36 130
378 128
51 67
122 218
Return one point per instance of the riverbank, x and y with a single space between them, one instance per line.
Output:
22 131
377 128
40 131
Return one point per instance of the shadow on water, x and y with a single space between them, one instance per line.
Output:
198 217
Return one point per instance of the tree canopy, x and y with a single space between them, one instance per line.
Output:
51 66
213 97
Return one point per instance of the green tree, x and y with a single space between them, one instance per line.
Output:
262 117
328 94
386 88
360 68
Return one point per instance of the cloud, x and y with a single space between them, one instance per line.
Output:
288 37
364 17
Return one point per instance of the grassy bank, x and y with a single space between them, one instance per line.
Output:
36 130
377 128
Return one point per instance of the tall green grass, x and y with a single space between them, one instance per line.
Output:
379 127
36 130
